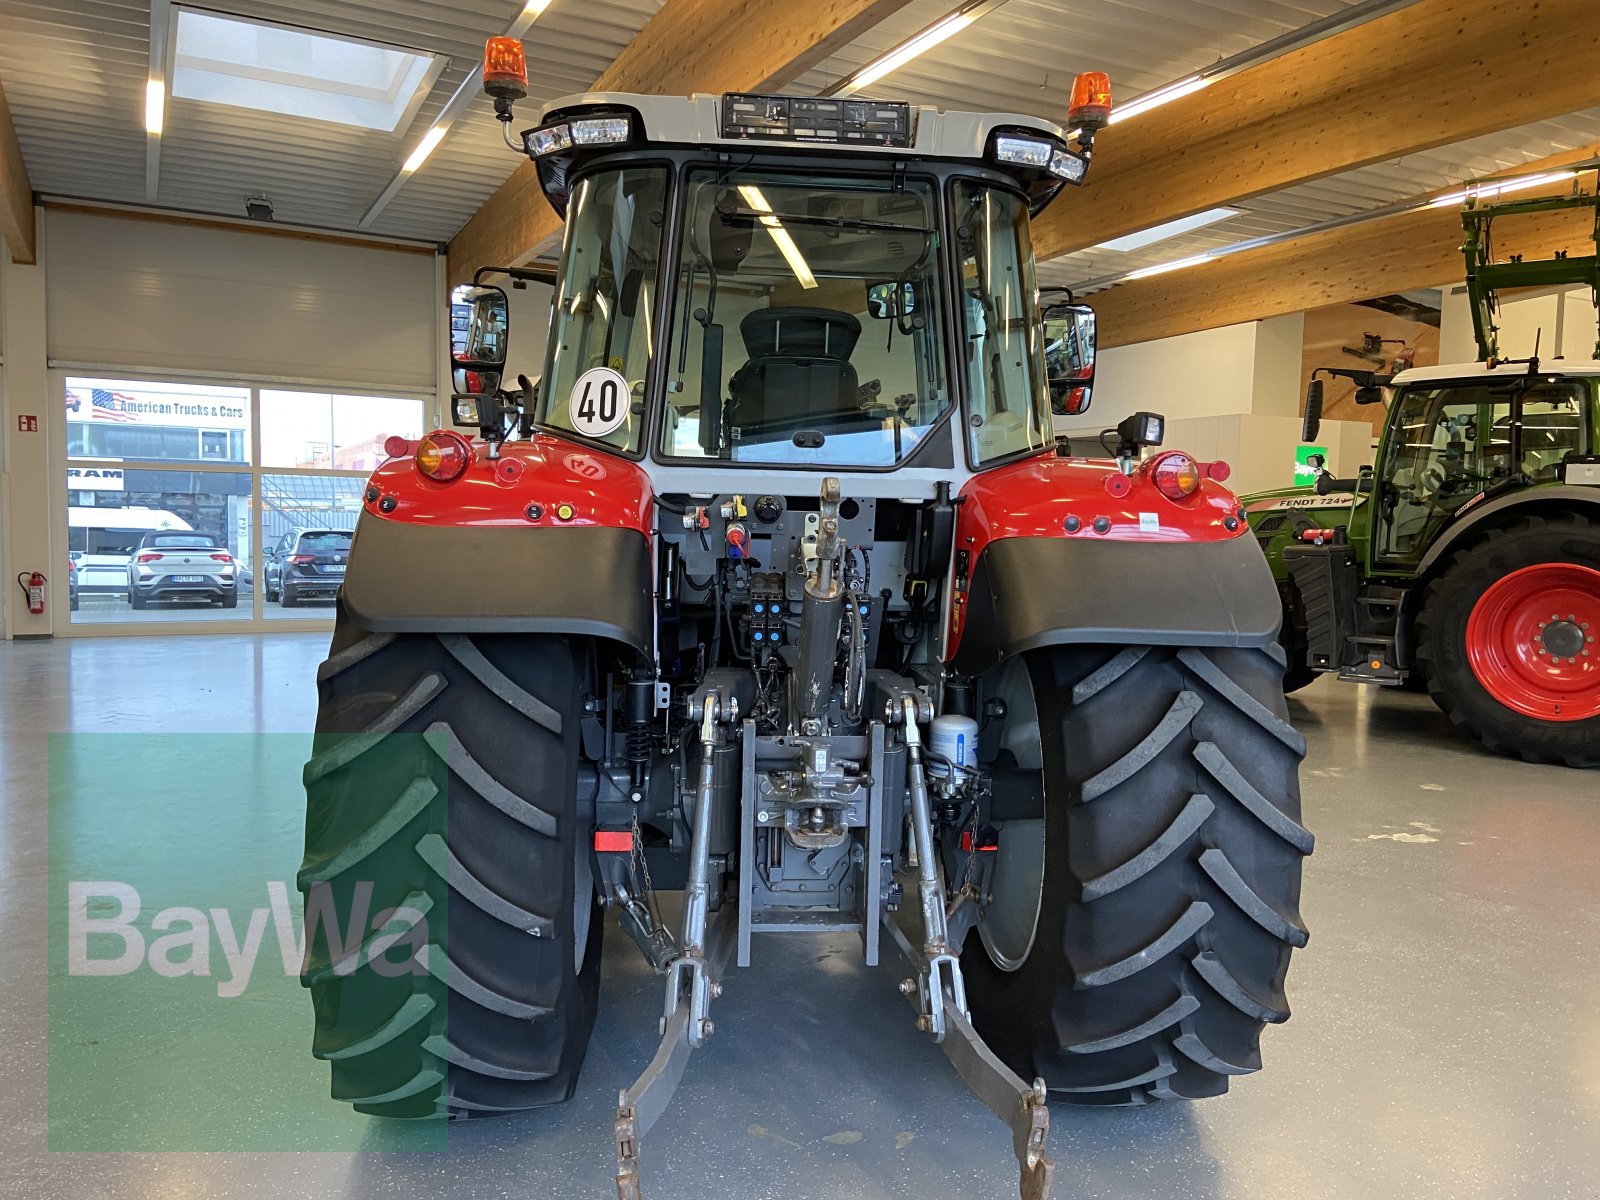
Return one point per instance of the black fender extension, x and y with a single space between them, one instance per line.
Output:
581 580
1028 592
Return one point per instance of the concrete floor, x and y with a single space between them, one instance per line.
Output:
1445 1042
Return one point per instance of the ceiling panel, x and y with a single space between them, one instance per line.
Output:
1021 57
74 71
1341 195
75 75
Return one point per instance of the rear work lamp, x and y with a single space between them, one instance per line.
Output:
1040 154
612 130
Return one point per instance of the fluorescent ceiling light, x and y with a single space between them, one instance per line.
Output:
1186 86
155 106
1483 191
756 199
1163 268
900 55
1171 229
294 72
424 148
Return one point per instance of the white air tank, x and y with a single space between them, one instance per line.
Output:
952 740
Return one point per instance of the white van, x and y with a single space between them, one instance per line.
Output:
101 540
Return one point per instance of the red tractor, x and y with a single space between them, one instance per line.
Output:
777 589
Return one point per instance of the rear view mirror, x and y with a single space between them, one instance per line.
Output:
881 301
1313 421
480 322
1069 357
730 237
474 381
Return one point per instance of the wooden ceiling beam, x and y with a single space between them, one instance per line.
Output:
688 46
1417 249
1430 74
16 193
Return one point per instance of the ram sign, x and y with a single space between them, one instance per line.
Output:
94 479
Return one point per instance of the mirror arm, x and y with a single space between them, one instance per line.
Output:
535 273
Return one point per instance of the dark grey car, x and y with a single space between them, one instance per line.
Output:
306 564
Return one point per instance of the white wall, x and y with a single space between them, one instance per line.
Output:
26 481
1249 368
1562 320
1231 393
1260 449
530 329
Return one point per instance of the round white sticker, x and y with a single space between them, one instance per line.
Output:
599 402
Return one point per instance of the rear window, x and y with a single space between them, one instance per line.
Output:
326 539
179 540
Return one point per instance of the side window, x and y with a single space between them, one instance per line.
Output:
601 340
1001 333
1552 431
1447 446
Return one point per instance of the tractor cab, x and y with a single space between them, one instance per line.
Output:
1455 441
833 285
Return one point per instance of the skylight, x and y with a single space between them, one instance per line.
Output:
1160 233
280 69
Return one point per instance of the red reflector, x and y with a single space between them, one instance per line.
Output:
394 445
613 841
966 843
1218 471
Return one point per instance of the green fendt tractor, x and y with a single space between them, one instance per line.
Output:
1467 559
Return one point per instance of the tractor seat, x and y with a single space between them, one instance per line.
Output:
798 375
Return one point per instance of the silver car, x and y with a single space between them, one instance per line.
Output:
182 565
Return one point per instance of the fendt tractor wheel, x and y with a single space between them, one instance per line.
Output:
1510 636
517 960
1138 936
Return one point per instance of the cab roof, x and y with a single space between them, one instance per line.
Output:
1478 370
698 120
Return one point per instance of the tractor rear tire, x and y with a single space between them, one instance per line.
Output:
1293 639
1482 628
1169 900
444 773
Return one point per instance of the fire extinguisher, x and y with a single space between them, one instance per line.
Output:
32 584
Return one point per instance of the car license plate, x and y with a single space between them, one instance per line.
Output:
336 569
188 579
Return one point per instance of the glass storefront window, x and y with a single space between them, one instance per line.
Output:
199 502
306 525
342 433
164 545
157 422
